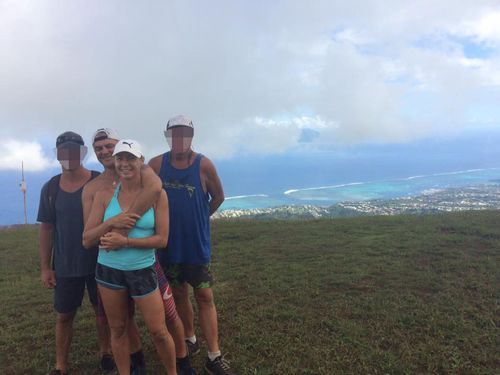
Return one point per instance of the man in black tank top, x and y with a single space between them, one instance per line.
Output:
66 266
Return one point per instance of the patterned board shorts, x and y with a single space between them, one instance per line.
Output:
196 275
166 294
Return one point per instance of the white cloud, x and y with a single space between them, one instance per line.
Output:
486 28
29 154
299 122
356 67
352 37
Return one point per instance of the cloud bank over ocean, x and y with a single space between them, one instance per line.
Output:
256 77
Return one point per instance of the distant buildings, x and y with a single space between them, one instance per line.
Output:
482 197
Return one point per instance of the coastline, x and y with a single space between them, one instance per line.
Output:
475 197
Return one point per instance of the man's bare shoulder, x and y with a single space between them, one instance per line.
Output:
103 195
157 157
99 183
147 168
155 163
206 163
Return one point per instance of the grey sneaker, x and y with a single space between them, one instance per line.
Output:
193 349
219 366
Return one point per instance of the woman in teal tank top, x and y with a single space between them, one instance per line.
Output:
125 263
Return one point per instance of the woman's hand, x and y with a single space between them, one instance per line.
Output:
113 241
124 220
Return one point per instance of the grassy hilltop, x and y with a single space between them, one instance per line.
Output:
368 295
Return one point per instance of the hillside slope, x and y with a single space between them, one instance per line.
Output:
402 294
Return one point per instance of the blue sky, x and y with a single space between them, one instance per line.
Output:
257 78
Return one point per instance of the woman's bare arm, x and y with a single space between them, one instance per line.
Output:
113 240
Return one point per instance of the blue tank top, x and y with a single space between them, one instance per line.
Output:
129 258
189 234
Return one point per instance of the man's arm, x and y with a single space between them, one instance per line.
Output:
120 222
113 240
45 244
213 185
95 228
87 199
151 189
155 164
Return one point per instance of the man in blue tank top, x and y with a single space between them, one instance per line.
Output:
194 192
65 265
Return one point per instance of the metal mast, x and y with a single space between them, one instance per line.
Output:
23 189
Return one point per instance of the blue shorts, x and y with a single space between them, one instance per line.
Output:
69 291
139 283
166 293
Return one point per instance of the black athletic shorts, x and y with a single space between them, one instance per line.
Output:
69 291
197 275
139 283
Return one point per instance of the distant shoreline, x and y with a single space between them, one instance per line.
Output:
470 198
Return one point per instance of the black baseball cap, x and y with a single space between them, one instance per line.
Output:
68 139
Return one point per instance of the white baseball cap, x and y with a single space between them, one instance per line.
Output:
180 120
128 145
105 133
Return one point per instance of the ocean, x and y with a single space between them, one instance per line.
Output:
318 178
300 194
366 190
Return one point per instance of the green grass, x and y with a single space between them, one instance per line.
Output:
370 295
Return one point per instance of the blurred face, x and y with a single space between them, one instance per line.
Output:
179 138
71 156
104 152
127 165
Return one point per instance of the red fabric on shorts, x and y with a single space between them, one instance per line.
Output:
166 293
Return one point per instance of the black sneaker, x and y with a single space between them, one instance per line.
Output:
58 372
107 363
193 349
219 366
136 369
137 363
184 366
186 371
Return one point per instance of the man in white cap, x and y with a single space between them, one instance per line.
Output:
104 141
195 192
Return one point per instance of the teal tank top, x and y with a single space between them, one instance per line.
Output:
129 258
